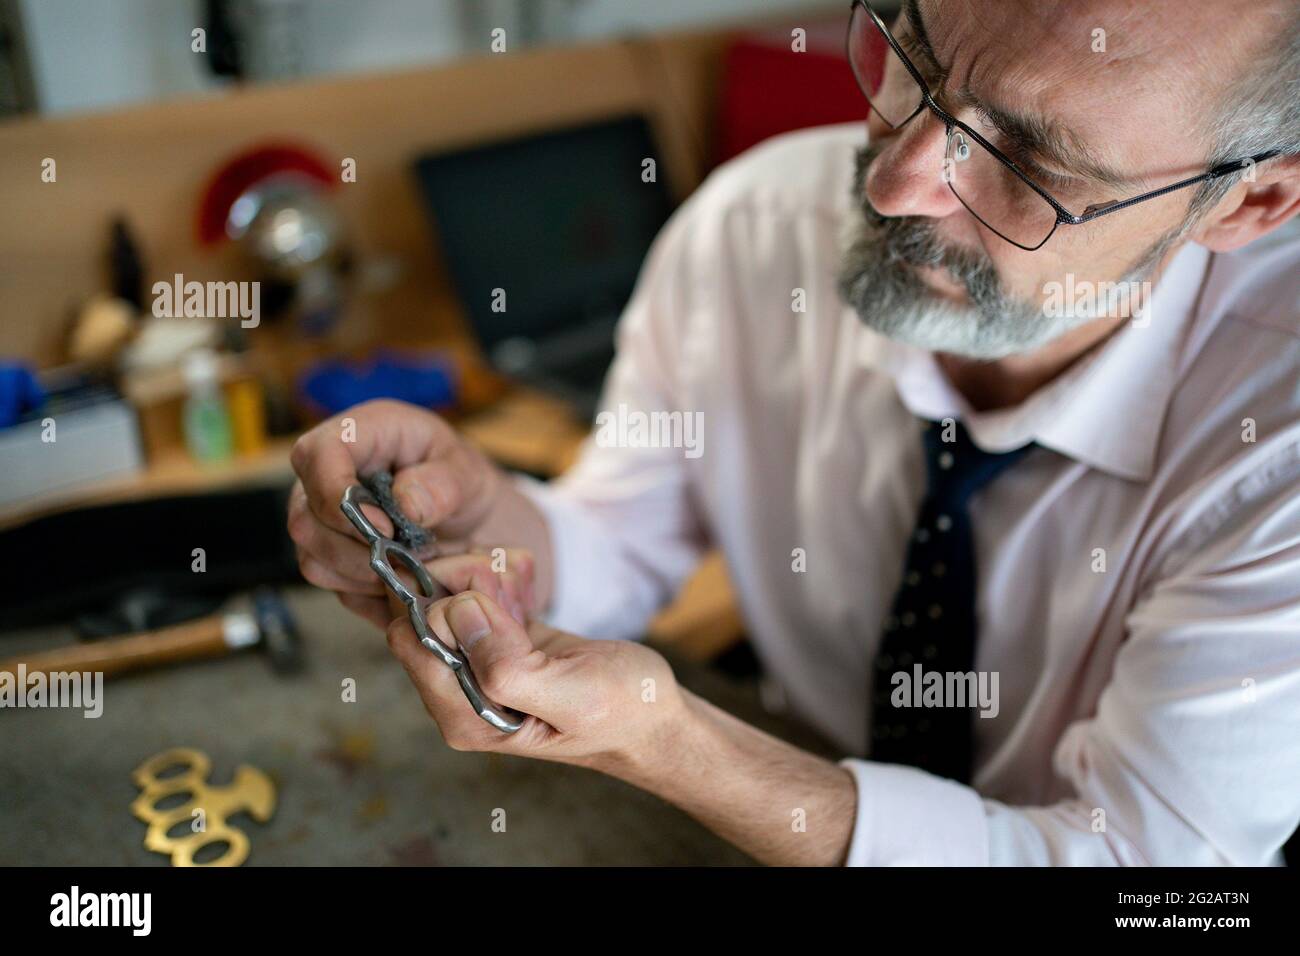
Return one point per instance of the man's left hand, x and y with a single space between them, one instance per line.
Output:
607 705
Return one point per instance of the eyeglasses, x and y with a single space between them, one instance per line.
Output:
995 188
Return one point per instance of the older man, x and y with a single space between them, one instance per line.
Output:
1002 446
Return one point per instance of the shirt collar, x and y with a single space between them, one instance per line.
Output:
1106 411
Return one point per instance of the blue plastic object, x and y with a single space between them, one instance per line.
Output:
334 385
20 392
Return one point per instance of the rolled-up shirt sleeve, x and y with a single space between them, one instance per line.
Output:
1193 755
624 531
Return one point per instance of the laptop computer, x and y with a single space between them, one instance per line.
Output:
543 238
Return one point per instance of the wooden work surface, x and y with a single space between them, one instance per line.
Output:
366 783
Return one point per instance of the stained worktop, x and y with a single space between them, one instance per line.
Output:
368 783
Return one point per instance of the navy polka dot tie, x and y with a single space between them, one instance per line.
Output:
931 624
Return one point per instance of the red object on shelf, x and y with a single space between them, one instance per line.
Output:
768 88
237 175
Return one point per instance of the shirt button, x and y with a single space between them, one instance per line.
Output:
935 612
913 578
945 460
922 535
943 522
939 569
909 619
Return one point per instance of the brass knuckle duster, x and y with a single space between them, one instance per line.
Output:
250 791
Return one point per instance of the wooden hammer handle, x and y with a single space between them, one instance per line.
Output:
205 637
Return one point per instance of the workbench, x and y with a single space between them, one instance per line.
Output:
365 783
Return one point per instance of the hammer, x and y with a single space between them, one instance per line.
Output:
269 627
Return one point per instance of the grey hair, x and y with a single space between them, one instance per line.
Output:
1263 116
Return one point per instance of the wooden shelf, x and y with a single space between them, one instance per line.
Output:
524 429
527 430
173 474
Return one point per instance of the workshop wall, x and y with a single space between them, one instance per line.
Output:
151 164
88 56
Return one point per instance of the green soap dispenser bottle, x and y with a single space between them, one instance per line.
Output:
205 419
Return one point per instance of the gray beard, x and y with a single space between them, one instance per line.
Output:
877 280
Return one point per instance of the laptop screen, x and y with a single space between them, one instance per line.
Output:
560 221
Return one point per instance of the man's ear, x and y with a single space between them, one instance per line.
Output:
1262 206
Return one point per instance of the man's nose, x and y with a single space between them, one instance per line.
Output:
907 178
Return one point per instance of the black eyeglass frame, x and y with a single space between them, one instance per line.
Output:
1063 215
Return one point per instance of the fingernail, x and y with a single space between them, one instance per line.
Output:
417 504
468 622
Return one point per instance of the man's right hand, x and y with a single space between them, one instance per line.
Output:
440 482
